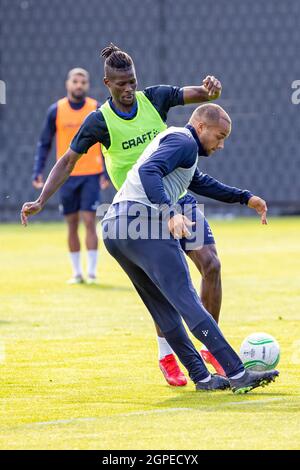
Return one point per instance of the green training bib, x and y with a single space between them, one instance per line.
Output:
129 138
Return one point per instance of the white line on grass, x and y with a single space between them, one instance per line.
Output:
151 412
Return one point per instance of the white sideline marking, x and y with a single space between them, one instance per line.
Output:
254 402
150 412
62 421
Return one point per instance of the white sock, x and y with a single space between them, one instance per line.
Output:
239 375
75 259
163 348
92 262
207 379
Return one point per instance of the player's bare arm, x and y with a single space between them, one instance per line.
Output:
58 175
210 90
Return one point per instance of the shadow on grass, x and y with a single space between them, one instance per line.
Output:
224 401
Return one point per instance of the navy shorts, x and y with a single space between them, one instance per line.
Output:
201 233
80 193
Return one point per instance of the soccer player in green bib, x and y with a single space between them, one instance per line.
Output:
125 124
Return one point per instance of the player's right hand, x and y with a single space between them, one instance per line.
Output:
104 182
178 226
30 208
38 182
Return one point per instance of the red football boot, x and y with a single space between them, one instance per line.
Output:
210 359
170 368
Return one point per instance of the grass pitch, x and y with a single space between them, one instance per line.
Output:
79 363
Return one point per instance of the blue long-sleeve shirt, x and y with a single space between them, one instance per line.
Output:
176 150
207 186
45 141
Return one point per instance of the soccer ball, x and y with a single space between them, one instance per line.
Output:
260 351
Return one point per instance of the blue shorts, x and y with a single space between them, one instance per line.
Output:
201 233
80 193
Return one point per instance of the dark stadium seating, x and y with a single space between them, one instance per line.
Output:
252 46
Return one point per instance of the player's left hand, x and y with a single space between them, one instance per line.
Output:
213 87
260 206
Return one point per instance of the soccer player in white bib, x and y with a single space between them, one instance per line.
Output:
156 265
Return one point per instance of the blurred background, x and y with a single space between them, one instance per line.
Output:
252 46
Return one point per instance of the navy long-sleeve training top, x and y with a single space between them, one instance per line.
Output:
177 151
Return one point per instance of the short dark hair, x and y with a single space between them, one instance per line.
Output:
211 112
78 71
115 58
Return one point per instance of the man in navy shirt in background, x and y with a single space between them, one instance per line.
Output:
80 195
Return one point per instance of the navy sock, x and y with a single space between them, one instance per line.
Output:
210 334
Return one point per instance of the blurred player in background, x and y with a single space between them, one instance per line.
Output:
80 194
125 124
